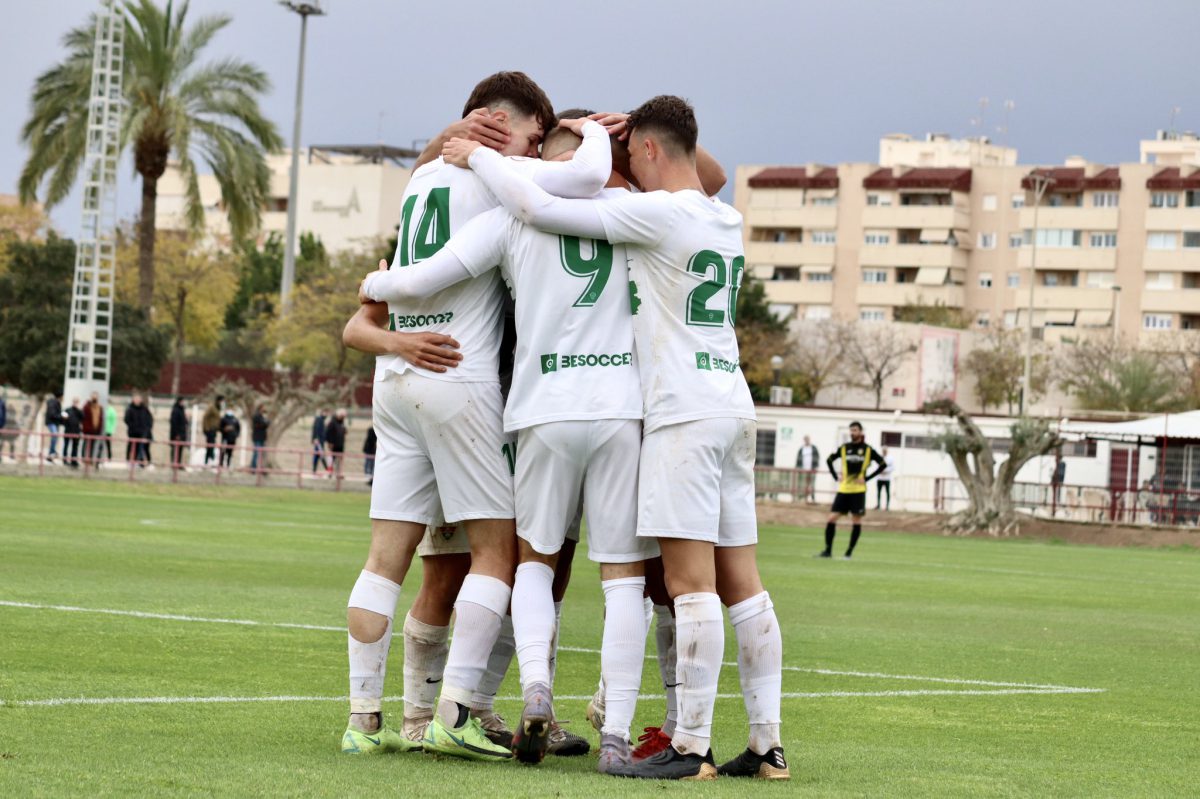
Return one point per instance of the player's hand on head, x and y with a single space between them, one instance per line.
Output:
574 125
480 126
458 151
616 123
432 351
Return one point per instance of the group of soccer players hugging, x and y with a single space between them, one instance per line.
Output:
626 403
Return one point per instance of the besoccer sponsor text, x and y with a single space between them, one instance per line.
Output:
553 362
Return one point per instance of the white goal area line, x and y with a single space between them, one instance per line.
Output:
1007 688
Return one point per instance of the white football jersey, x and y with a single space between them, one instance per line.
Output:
686 267
575 356
439 200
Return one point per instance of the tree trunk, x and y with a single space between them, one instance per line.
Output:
146 234
179 342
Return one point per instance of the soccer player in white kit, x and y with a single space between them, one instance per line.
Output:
696 480
576 406
443 453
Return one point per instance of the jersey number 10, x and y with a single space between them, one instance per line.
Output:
698 312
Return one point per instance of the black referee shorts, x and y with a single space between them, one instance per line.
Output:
855 504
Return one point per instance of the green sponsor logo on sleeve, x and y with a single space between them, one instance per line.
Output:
550 363
702 361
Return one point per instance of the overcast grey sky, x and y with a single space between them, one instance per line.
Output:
772 82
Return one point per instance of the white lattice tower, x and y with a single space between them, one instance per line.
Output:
89 340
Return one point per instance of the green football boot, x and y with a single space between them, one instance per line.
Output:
382 741
469 741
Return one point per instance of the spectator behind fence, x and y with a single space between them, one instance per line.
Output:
72 427
318 441
211 424
54 420
258 436
884 483
806 461
93 427
110 429
231 428
10 428
335 438
179 432
139 427
369 445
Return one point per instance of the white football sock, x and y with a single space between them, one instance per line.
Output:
497 667
554 641
425 651
368 661
699 644
664 640
481 604
760 667
622 652
533 621
648 608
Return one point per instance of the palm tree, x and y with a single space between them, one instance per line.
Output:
176 109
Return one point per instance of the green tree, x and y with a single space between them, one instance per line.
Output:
760 336
175 108
938 314
259 270
1108 375
997 363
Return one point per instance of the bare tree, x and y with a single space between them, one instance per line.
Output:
816 354
873 353
989 489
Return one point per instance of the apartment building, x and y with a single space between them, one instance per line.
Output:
945 222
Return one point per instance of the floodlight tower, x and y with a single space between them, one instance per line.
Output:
89 336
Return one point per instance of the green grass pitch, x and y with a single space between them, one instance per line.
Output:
861 717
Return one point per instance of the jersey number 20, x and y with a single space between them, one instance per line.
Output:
698 312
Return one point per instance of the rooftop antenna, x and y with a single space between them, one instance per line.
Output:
1171 125
978 123
1002 128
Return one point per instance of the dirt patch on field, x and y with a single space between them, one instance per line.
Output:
802 515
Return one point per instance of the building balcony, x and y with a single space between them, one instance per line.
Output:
913 255
1070 218
893 294
799 292
1091 259
1070 297
1176 301
1173 219
788 253
819 217
892 217
1180 260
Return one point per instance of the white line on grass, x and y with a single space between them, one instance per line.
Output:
214 700
1023 687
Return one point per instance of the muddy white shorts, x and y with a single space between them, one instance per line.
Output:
696 481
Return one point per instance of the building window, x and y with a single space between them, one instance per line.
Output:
982 320
985 280
1057 238
879 199
1015 240
875 276
1191 238
1192 198
786 273
1105 199
1160 281
1013 280
872 315
989 202
889 439
781 236
823 237
1010 319
877 238
824 201
1104 240
818 312
1050 279
782 311
987 241
764 451
1160 241
1156 321
1100 280
1164 199
1018 200
819 277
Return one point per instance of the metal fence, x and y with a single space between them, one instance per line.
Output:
134 459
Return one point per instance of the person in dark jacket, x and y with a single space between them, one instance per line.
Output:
258 435
369 446
54 420
231 428
73 427
318 441
179 432
211 425
139 426
93 427
335 438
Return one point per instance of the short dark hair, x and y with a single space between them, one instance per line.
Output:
669 116
515 89
574 113
857 424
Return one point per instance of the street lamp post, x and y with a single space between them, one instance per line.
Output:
1116 290
305 10
777 367
1040 184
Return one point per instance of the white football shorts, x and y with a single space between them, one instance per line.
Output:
696 481
558 460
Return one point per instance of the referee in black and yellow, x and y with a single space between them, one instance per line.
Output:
855 458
